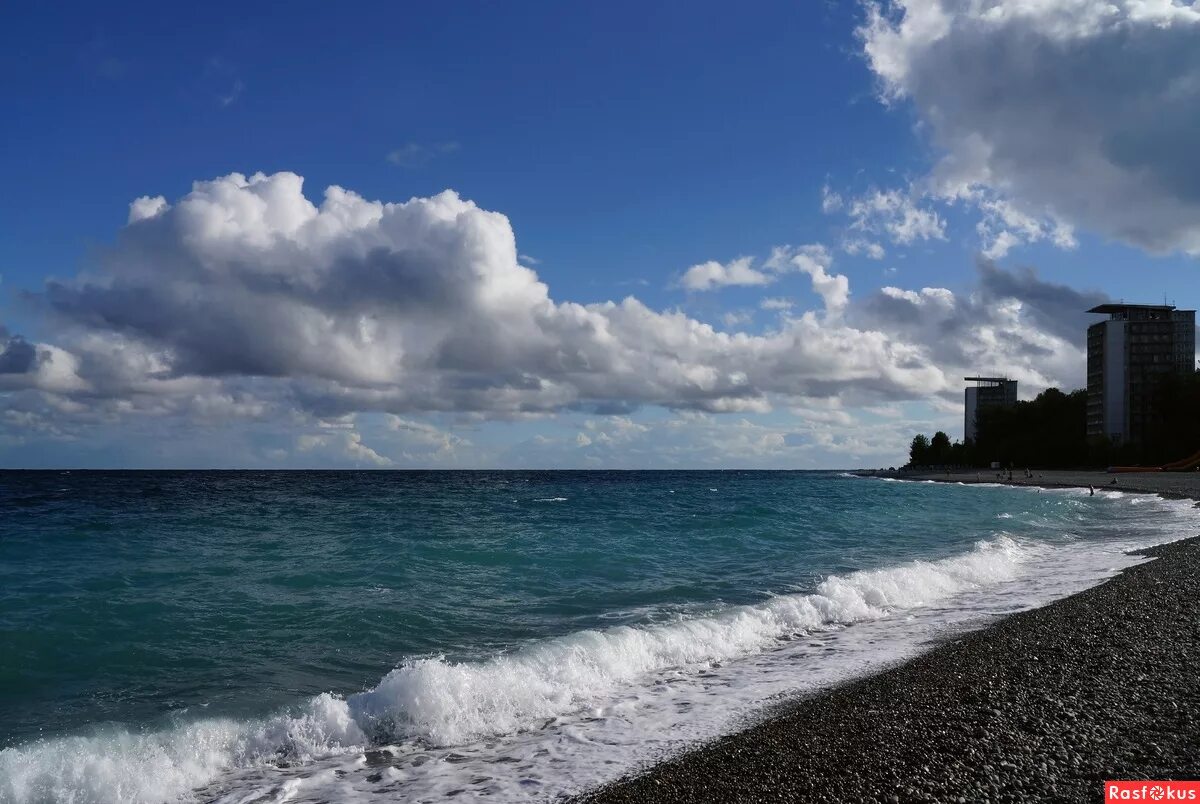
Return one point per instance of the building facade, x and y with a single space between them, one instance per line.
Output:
1126 358
993 392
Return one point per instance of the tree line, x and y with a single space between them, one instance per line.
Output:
1050 432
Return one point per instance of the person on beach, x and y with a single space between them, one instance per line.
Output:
1091 490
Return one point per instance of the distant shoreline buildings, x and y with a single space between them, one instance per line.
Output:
987 392
1127 355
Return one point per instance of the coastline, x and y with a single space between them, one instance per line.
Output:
1043 704
1170 485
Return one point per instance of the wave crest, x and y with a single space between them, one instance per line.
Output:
443 703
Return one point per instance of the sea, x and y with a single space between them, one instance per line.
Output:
499 636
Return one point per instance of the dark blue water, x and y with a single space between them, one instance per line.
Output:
137 603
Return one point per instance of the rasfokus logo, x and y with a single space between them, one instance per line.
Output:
1152 791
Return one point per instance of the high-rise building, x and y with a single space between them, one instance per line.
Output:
987 392
1126 358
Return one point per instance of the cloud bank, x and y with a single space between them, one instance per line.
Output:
244 299
1054 114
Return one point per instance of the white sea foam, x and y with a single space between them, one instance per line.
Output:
550 499
566 713
114 764
450 704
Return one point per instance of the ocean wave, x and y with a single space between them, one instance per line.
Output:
447 703
114 764
437 702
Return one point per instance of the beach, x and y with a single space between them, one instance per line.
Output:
1042 705
1171 485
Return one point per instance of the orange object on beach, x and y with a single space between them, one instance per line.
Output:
1182 465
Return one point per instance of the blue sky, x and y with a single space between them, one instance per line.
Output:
625 144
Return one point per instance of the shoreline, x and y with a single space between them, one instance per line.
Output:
1043 704
1168 485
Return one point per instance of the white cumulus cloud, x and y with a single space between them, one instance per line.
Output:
713 274
245 300
1053 114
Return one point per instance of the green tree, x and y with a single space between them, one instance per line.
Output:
939 448
918 453
1049 431
1173 431
962 453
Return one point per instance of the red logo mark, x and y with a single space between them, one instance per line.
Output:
1152 791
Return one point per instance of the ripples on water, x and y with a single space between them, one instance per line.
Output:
370 634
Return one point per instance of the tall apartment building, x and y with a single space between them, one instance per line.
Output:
1126 356
987 392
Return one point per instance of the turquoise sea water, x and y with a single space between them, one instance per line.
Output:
385 635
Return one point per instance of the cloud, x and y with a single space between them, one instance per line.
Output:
357 450
895 214
423 441
18 356
221 77
811 259
1014 324
343 445
146 207
737 318
1004 225
776 303
814 260
858 245
1053 114
415 155
245 299
37 366
1053 308
712 274
831 201
233 94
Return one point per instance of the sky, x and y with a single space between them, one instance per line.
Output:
552 235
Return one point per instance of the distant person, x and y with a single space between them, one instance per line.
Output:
1091 490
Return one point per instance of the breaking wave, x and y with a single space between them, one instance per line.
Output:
441 703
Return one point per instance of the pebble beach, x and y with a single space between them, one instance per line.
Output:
1042 705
